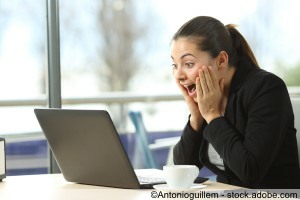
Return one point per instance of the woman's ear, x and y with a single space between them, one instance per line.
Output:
222 60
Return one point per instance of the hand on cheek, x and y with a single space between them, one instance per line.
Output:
196 119
209 93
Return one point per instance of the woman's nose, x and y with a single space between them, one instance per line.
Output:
179 74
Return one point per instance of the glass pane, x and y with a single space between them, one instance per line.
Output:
111 47
123 45
108 47
22 82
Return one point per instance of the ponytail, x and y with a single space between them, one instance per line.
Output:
240 47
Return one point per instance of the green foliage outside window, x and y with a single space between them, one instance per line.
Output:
290 74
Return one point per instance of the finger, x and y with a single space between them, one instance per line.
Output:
213 76
198 88
208 78
203 83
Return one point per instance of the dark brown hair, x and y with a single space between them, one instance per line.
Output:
212 36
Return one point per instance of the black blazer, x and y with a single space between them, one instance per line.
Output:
256 138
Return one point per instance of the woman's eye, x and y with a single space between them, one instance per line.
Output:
174 66
189 64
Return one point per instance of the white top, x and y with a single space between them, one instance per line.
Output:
214 157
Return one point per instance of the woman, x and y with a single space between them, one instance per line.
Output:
241 123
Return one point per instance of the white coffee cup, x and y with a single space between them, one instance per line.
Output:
180 176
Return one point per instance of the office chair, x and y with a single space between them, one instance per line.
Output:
142 138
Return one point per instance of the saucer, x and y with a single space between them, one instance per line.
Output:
165 187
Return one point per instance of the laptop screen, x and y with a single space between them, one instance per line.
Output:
87 147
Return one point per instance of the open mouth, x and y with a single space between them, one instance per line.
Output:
191 88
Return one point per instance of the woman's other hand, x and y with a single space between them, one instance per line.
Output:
209 93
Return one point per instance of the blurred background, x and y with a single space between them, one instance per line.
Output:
115 55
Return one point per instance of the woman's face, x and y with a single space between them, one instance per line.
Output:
186 62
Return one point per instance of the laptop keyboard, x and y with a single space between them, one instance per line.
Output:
146 179
150 176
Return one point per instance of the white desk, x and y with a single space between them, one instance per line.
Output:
54 187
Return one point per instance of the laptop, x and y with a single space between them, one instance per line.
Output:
88 149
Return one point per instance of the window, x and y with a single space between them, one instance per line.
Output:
119 50
22 83
123 45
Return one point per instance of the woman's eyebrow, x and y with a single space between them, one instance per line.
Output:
184 55
187 54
